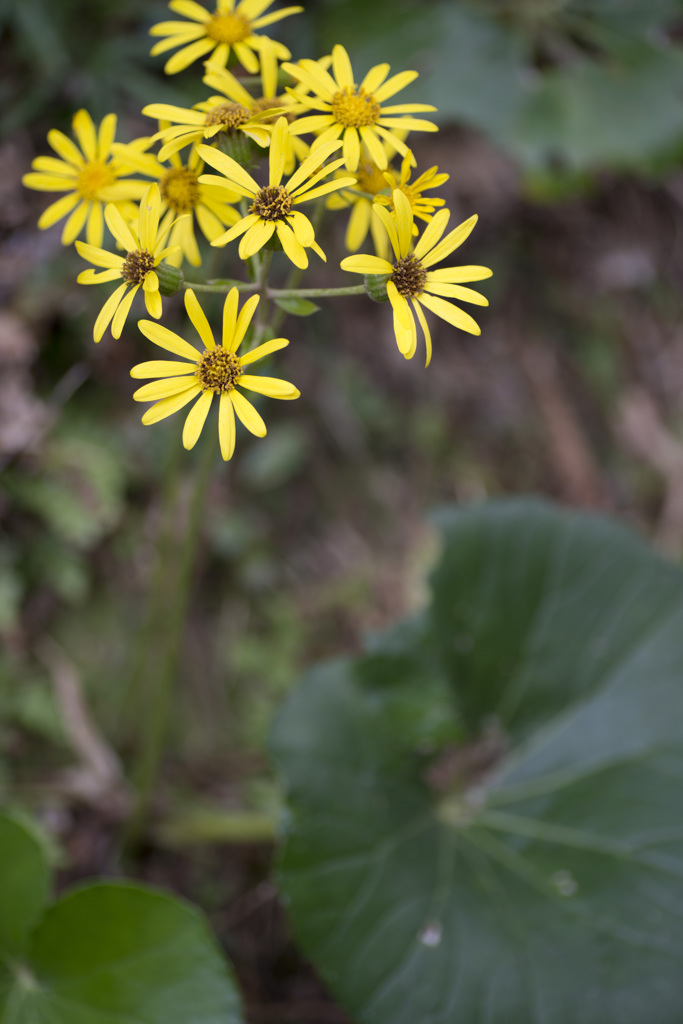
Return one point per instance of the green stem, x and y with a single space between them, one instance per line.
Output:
164 668
262 285
314 293
222 289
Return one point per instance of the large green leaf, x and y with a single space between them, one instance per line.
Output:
23 885
535 871
108 953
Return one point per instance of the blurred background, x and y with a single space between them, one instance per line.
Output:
128 653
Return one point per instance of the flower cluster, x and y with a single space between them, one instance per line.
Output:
252 168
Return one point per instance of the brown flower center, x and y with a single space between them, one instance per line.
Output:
180 188
273 203
228 28
218 370
409 276
137 266
355 108
228 116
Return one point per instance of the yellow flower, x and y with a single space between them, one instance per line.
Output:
409 278
371 180
356 112
272 208
88 176
422 206
215 371
213 116
182 193
228 27
144 250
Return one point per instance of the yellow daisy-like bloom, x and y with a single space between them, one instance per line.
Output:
356 112
273 206
218 370
88 175
182 193
144 251
229 27
409 280
421 205
213 116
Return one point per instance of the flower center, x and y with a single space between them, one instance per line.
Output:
180 188
228 28
409 276
228 115
219 370
94 177
355 108
266 102
370 178
272 203
137 266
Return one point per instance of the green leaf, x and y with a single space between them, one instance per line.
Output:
23 884
115 953
534 871
297 307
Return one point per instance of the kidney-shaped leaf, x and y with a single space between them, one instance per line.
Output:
116 953
534 872
23 884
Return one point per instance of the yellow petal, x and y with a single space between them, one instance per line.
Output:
229 167
341 65
226 427
153 303
99 257
292 247
425 330
400 305
56 211
148 218
94 229
198 318
65 148
266 349
383 215
91 276
196 419
119 229
278 151
229 318
394 85
432 233
75 222
456 291
456 275
404 221
452 240
366 265
106 135
122 312
246 412
271 386
167 406
183 58
359 224
450 313
190 9
351 148
107 311
255 238
161 368
375 77
158 389
243 321
84 130
164 338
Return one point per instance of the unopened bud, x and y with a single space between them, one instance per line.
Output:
171 279
376 286
240 147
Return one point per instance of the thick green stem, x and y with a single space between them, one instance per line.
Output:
314 293
222 288
163 665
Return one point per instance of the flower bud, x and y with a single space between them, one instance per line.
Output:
376 286
240 147
170 279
